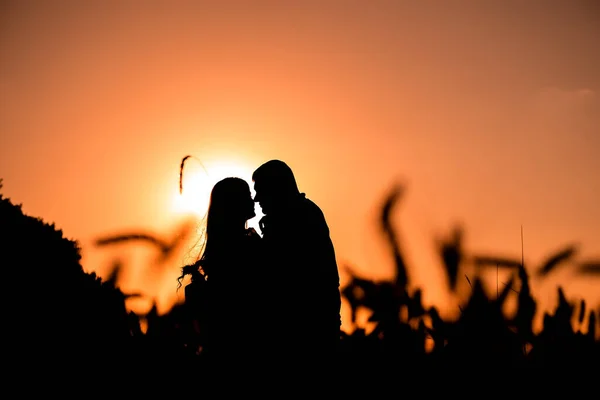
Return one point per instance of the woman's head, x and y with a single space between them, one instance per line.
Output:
231 204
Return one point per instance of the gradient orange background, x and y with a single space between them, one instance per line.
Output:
489 112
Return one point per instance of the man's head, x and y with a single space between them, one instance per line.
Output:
275 185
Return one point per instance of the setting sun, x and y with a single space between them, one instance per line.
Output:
199 177
195 195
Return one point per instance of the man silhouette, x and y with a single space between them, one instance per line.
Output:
301 269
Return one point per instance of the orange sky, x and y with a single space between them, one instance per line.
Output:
489 113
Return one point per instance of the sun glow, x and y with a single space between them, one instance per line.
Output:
195 195
198 180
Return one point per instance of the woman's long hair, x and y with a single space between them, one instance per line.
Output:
225 212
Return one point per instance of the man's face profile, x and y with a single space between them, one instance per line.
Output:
263 197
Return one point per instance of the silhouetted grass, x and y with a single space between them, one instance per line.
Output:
61 313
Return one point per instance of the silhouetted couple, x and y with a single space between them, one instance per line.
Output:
274 298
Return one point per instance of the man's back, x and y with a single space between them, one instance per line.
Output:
304 275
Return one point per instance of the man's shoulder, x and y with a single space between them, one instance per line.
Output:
311 214
309 205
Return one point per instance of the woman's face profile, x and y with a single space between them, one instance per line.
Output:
235 200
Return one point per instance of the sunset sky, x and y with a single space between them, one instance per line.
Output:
488 111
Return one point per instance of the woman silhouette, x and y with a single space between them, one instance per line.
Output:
222 293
